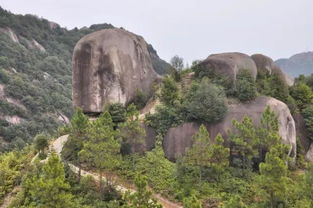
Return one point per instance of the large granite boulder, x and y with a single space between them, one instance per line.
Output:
179 138
266 65
109 66
229 64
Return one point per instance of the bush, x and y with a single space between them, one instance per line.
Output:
165 118
205 102
245 86
4 78
140 99
169 92
302 94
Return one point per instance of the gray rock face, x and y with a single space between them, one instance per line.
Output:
266 65
109 66
302 131
179 138
149 140
263 63
309 154
229 64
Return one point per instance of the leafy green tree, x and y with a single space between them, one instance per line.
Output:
169 92
131 131
101 149
205 154
302 94
206 102
274 178
47 187
165 118
245 86
142 198
41 142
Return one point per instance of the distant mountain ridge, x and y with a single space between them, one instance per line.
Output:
301 63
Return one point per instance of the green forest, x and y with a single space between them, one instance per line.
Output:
104 162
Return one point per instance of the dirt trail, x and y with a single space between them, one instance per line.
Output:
57 147
9 197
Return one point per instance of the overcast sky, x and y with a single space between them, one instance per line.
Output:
192 29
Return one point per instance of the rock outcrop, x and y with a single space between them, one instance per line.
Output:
309 154
266 65
9 32
109 66
229 64
179 138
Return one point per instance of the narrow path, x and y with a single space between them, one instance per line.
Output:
10 196
57 147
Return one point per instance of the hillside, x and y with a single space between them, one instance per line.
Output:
298 64
36 75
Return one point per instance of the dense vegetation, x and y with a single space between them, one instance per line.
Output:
251 169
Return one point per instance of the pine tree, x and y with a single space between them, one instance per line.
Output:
274 178
131 131
47 187
79 124
205 154
244 144
41 142
142 198
101 148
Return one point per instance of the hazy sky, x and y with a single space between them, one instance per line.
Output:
192 29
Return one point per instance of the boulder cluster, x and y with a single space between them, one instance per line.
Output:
111 65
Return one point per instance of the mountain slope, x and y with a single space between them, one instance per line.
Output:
301 63
36 76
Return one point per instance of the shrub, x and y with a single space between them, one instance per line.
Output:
245 86
169 92
205 102
302 94
140 99
4 78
